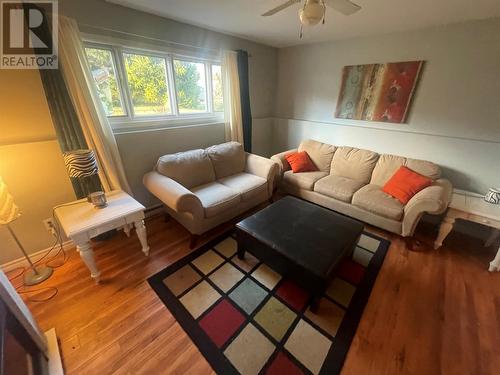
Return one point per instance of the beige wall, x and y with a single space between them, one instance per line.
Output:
455 116
30 160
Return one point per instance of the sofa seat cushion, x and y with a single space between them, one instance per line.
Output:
216 198
189 168
371 198
303 180
248 185
341 188
227 158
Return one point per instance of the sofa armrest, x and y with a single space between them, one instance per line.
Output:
433 200
173 194
281 160
262 167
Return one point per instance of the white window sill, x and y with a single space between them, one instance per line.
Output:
126 125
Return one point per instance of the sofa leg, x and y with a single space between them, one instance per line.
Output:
193 240
409 241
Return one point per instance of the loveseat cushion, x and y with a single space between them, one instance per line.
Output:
248 185
354 163
371 198
227 158
189 168
216 198
341 188
320 153
303 180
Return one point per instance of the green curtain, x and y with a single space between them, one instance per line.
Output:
69 132
246 112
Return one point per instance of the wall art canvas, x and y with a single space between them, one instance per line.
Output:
378 92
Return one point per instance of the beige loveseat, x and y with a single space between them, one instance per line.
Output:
204 188
350 180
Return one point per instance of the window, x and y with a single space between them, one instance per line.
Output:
143 88
103 71
190 86
217 88
147 84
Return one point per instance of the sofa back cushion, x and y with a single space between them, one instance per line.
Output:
320 153
227 158
190 168
354 163
387 165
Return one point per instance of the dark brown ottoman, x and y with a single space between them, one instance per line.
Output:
299 240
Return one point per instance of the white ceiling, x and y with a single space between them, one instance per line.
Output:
242 17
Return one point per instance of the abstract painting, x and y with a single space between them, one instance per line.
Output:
378 92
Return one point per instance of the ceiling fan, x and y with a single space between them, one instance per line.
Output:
314 11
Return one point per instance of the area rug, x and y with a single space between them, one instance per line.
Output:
247 319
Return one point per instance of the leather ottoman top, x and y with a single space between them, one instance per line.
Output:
310 236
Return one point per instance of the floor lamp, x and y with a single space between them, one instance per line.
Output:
8 213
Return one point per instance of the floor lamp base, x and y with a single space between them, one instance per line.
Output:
33 278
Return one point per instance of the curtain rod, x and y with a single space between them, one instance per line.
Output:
151 38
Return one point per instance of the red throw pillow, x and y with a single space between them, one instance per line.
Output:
405 183
301 162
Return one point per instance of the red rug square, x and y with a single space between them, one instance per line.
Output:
351 271
292 294
282 365
222 322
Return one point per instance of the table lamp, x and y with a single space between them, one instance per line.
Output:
8 213
493 196
81 164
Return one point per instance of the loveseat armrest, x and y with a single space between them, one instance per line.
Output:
262 167
281 160
433 200
173 194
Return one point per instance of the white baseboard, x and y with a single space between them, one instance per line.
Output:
22 262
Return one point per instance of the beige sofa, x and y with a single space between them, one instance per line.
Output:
350 181
204 188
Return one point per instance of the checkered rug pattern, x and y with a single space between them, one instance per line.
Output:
247 319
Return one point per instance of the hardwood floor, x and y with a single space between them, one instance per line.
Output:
431 312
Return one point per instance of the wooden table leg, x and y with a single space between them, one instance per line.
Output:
444 230
495 263
87 255
140 229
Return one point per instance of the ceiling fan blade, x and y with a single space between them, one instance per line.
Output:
280 7
345 7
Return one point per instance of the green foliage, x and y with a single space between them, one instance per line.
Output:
189 93
147 81
217 88
100 62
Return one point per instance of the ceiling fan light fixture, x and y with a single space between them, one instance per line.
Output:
312 13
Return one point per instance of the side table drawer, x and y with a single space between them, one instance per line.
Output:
106 227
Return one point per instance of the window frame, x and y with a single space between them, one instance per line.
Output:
132 122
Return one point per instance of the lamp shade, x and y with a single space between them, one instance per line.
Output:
8 209
80 163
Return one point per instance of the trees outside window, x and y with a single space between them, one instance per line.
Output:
155 86
147 82
103 71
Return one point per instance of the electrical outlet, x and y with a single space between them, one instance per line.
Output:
49 224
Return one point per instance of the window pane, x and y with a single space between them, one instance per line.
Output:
147 81
103 71
217 88
190 86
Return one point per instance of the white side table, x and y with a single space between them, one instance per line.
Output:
81 221
472 207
